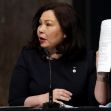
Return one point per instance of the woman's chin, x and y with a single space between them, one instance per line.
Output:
44 46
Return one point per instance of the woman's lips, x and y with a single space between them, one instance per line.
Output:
42 40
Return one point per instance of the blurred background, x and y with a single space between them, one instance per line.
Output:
16 29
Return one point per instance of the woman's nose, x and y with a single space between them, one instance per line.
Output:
41 28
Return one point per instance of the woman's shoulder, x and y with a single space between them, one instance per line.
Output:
27 51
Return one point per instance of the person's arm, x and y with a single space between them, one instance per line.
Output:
102 88
19 89
36 101
59 95
91 78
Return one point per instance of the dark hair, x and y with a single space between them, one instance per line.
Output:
73 45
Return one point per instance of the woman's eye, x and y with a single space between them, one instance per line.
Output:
48 24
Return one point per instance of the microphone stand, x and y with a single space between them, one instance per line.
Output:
50 104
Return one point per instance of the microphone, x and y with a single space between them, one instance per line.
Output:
50 104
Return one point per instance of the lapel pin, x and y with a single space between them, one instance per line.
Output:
74 70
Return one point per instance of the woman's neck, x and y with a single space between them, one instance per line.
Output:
53 54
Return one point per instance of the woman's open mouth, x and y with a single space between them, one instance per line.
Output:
42 40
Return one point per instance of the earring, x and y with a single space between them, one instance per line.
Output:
64 36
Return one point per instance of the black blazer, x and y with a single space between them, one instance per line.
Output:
31 77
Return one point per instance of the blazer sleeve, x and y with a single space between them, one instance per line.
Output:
92 77
18 89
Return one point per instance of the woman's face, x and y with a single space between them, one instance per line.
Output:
49 31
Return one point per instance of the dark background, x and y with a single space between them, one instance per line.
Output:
93 12
100 10
15 30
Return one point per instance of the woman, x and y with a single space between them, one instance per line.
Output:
57 49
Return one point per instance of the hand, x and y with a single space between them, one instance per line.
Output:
36 101
60 95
